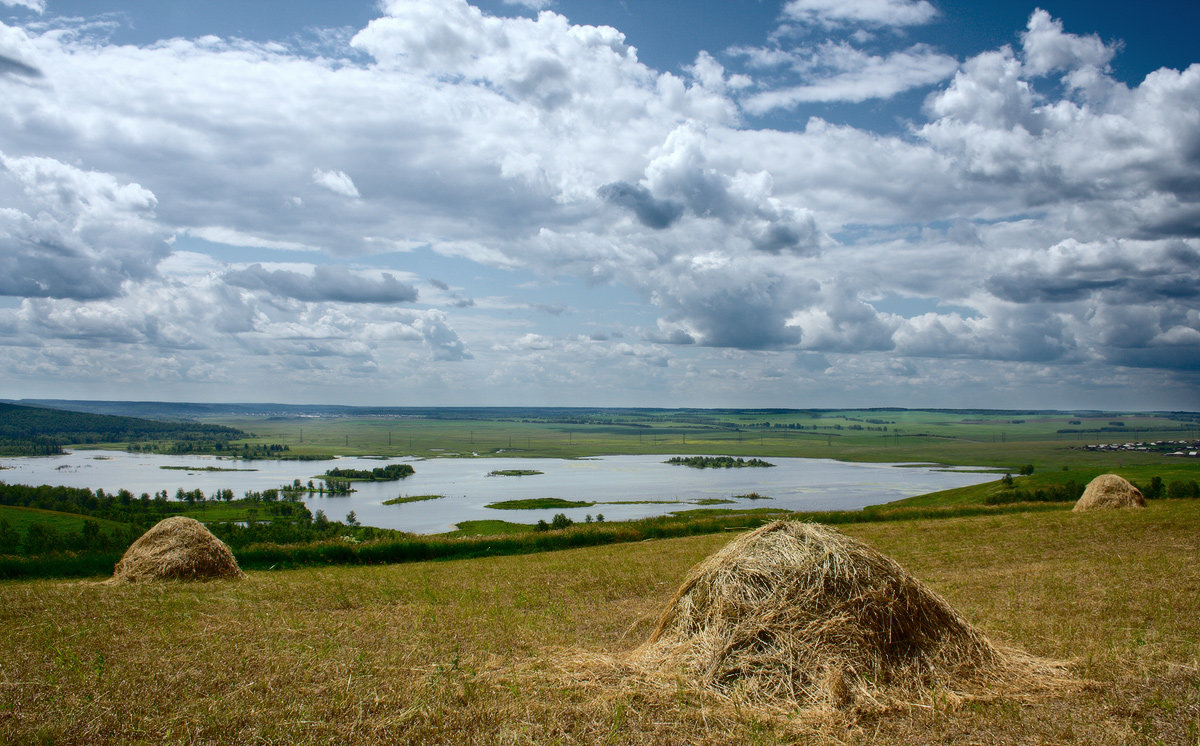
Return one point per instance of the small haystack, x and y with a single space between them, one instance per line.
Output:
177 548
1109 491
801 614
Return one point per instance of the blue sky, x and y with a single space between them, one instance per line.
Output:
800 203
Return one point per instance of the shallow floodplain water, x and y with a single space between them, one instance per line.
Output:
793 483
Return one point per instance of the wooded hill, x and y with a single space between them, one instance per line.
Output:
37 431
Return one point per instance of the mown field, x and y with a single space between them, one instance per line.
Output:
504 649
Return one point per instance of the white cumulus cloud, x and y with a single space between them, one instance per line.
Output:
337 182
868 12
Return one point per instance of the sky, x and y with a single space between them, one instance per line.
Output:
788 203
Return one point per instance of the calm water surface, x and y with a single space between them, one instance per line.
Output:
794 483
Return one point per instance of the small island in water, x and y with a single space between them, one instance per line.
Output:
537 503
389 473
411 499
204 468
716 462
513 472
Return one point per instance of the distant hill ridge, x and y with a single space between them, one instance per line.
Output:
183 410
32 430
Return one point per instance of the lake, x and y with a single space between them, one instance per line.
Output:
793 483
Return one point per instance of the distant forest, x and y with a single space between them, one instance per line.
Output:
38 431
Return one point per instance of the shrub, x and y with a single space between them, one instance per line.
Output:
39 538
9 538
560 521
1178 488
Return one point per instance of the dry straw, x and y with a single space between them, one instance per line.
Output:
798 614
1109 491
177 548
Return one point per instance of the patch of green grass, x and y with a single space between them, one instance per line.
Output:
704 512
411 499
712 501
19 519
539 503
216 512
488 528
211 511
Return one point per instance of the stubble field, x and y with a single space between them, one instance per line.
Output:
504 649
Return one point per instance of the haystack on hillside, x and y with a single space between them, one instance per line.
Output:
801 613
1109 491
177 548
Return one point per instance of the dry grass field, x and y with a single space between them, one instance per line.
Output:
506 650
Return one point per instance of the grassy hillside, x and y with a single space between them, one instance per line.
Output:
19 519
495 650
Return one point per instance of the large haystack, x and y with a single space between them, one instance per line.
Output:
798 613
1109 491
177 548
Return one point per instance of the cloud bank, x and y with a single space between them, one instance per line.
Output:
1044 213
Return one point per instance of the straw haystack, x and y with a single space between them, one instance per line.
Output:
1109 491
177 548
799 613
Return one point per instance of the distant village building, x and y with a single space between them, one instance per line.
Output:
1181 448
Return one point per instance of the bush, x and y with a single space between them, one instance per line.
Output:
39 538
560 521
1180 489
1054 493
9 538
1154 489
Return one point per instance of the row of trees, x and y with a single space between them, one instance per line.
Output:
124 507
561 520
717 462
1072 491
241 451
798 426
324 487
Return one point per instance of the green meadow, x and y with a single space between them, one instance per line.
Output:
985 438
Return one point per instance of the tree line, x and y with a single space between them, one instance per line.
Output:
273 516
717 462
1071 491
